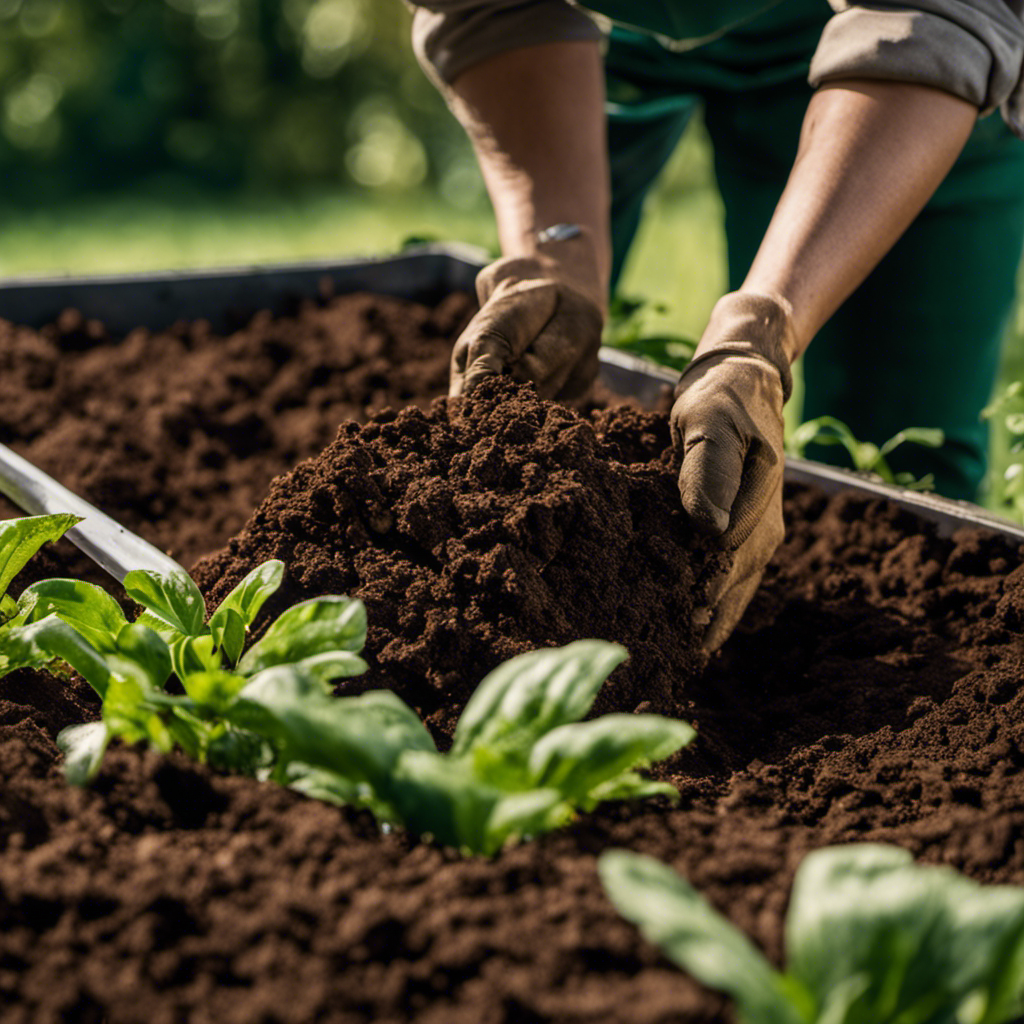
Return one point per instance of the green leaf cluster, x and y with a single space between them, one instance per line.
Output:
1006 410
871 938
129 664
629 327
521 763
866 456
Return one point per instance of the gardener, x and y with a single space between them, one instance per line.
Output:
888 124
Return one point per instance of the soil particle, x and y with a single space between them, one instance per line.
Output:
483 528
873 692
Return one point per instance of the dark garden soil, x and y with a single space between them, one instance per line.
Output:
873 692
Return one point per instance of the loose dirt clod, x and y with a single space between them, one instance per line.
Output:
486 527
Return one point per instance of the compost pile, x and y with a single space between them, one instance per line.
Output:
485 528
873 692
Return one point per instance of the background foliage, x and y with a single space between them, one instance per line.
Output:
257 93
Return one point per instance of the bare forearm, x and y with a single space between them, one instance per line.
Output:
871 155
536 119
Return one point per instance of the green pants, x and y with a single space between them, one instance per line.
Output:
918 344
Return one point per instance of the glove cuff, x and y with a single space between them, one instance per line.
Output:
748 324
567 261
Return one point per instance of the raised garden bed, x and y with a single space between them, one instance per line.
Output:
871 693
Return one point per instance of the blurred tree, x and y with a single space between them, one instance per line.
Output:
99 94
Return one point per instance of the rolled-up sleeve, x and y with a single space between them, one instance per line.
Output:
450 36
971 48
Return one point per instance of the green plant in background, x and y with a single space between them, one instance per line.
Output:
102 93
629 328
521 762
1007 486
871 938
866 457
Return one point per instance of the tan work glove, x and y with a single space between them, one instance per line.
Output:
540 320
727 428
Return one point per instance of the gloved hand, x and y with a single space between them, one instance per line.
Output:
540 320
727 427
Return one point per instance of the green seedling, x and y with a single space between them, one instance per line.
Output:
871 938
865 456
28 640
521 762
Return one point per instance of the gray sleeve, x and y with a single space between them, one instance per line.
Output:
971 48
451 35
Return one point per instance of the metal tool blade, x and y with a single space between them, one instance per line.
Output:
112 547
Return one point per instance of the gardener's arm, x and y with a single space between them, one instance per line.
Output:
871 154
536 119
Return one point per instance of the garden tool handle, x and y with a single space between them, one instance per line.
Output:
112 547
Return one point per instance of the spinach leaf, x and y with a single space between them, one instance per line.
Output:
871 938
578 758
139 647
87 608
528 696
670 913
931 943
171 597
39 643
83 747
318 626
236 612
21 538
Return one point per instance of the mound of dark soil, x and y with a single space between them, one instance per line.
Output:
484 528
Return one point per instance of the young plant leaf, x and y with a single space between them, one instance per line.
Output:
131 715
333 665
532 694
671 914
360 738
631 786
929 437
21 538
228 631
87 608
171 597
439 797
166 632
38 643
140 647
83 747
317 626
215 689
927 938
524 815
577 758
193 654
332 788
238 750
236 612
